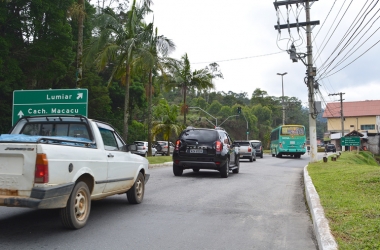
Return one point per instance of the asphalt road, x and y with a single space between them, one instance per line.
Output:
262 207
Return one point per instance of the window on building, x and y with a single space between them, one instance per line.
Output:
367 127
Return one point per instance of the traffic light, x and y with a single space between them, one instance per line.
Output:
239 110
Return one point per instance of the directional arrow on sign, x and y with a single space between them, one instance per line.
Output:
79 96
20 114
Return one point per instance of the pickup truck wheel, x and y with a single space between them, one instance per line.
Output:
225 169
251 159
135 195
177 170
77 210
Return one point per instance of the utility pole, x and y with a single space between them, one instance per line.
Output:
283 104
341 112
309 64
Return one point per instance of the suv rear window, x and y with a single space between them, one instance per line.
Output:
200 135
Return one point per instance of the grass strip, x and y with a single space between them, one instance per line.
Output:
349 190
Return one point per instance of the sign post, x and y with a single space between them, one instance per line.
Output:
49 102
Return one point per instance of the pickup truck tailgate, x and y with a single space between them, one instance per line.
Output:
17 162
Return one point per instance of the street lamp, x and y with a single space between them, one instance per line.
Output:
283 104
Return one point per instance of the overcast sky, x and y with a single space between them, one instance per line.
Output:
240 37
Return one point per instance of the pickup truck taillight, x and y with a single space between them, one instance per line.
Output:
218 146
41 174
249 149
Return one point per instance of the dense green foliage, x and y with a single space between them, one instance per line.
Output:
127 71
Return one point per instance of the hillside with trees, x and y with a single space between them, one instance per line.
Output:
125 64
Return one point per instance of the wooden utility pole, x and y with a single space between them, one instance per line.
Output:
341 112
309 64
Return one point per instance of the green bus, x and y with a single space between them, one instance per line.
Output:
288 140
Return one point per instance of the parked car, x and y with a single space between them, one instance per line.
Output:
204 148
257 145
330 148
246 150
162 147
142 148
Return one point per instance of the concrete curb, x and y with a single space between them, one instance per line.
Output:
165 164
326 240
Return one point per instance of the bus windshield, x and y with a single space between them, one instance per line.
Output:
292 130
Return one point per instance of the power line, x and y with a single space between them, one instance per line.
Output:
241 58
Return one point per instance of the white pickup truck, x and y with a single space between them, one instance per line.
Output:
65 162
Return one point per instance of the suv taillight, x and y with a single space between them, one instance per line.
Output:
41 174
177 144
218 146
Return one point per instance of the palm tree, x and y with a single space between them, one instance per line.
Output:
77 11
120 42
188 80
168 122
158 47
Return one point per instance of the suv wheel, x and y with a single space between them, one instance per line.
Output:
225 169
236 170
177 170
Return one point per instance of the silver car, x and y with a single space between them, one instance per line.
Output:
142 148
162 147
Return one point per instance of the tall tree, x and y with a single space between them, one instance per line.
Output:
120 44
157 48
186 79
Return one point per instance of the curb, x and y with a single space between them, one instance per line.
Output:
165 164
326 240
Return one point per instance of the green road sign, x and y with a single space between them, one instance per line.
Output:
350 141
49 102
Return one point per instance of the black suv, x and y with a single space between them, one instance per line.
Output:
330 148
203 148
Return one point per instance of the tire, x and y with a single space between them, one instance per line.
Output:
262 155
236 170
225 169
77 210
254 159
251 159
177 170
135 195
196 170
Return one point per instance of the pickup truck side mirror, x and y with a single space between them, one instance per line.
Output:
132 147
129 147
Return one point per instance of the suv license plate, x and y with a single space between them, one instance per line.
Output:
196 151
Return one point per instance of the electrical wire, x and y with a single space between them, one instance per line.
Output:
347 55
334 29
324 66
241 58
325 69
353 60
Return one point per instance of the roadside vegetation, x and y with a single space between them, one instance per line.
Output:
159 159
349 190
